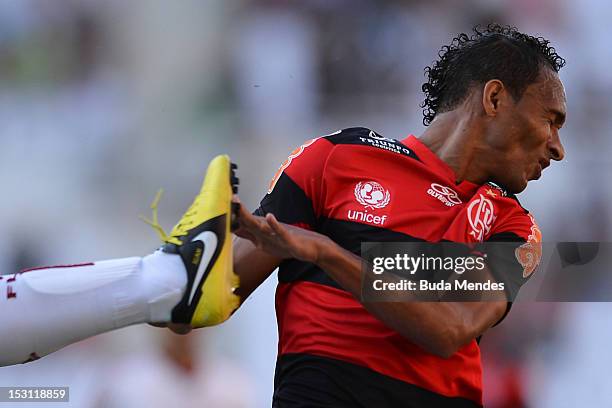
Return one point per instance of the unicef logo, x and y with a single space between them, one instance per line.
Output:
371 194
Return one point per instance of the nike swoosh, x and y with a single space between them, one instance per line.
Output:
210 241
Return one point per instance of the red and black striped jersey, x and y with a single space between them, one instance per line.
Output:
356 186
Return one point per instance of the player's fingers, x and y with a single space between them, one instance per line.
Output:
255 229
263 226
247 220
276 226
282 235
245 217
252 227
243 214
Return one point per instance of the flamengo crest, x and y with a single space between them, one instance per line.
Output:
481 215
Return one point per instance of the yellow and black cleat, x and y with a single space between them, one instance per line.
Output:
203 240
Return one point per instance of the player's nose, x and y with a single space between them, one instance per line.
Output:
555 147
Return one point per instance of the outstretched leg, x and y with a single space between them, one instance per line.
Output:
45 309
190 280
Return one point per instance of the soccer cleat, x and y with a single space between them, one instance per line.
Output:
203 240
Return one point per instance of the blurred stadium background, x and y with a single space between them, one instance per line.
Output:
102 103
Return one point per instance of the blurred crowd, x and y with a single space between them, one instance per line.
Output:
102 103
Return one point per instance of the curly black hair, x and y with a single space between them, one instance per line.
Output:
494 52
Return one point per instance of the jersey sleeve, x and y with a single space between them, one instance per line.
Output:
494 223
295 193
514 246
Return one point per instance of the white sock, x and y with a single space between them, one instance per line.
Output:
46 309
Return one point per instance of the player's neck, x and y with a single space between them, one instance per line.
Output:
453 137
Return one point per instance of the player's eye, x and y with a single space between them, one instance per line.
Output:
554 124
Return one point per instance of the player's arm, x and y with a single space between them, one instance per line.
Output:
439 327
252 265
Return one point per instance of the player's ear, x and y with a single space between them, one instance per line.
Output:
493 94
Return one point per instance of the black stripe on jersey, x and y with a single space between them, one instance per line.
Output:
292 270
289 203
366 137
349 235
515 198
303 380
505 237
504 265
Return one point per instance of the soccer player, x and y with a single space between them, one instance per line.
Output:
494 105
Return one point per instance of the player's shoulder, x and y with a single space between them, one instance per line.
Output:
512 216
351 135
348 136
356 136
318 151
366 137
509 198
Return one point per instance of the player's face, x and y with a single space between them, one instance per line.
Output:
531 133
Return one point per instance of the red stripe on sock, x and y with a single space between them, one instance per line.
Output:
56 266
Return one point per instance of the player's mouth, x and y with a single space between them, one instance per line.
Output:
537 173
542 164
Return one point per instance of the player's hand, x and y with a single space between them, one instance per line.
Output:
279 239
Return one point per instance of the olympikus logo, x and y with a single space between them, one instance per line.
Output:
445 194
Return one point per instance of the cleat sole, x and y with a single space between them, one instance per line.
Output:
234 219
234 181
